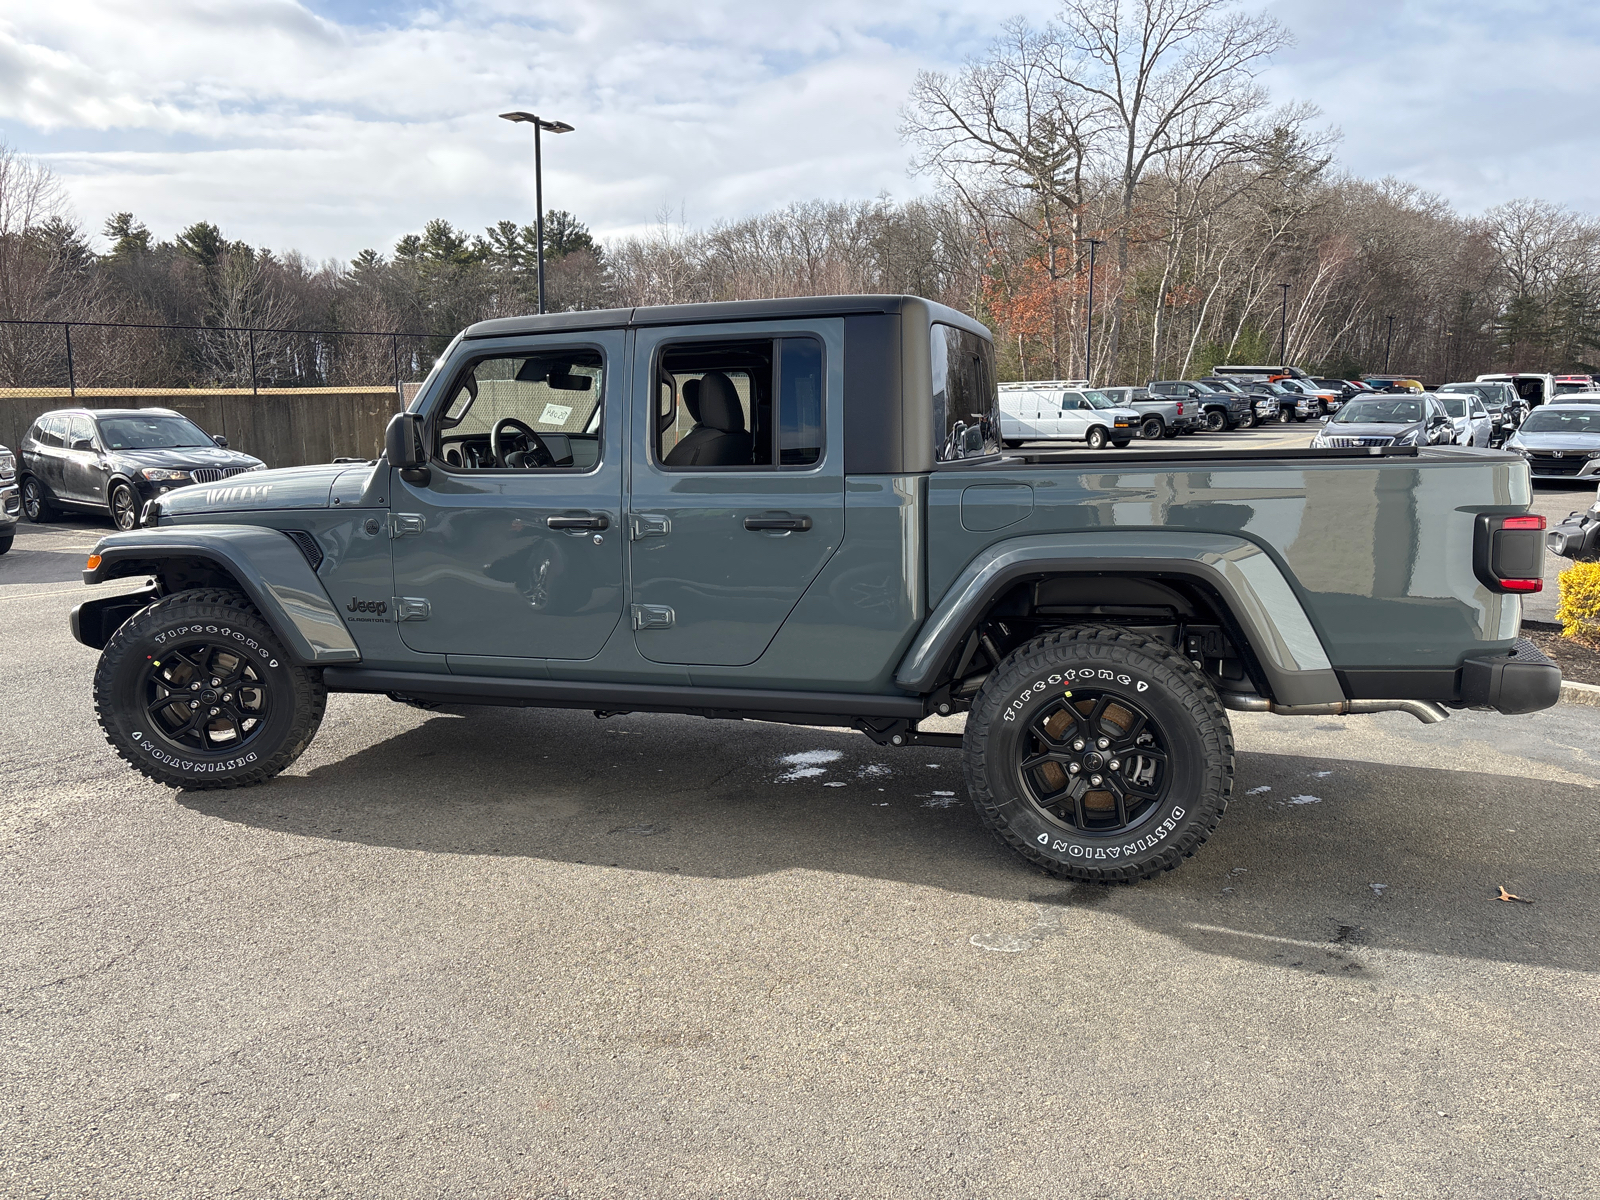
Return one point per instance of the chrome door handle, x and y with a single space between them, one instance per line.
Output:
589 521
786 524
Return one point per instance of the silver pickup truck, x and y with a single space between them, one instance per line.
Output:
1164 416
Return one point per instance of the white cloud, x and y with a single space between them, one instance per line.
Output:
289 129
332 132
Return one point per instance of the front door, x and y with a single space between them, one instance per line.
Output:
1073 420
737 497
513 548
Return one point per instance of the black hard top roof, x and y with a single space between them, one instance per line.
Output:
724 310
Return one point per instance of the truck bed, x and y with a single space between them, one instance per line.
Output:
1377 544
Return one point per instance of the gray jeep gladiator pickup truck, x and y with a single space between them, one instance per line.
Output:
798 510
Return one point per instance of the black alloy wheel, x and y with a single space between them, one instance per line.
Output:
1093 762
124 507
1152 428
207 696
35 504
1216 420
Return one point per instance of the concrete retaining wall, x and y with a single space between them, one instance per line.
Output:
284 427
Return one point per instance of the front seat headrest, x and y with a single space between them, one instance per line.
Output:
719 403
691 399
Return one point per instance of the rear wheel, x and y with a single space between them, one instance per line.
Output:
1099 754
1168 431
1152 428
195 691
1095 439
5 542
36 502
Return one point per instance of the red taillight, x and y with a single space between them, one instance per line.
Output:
1180 408
1508 552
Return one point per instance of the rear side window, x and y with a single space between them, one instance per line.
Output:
744 403
51 430
966 420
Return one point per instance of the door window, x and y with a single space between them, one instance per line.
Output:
1070 402
715 404
79 430
520 412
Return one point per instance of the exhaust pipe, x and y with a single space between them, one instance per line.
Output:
1425 711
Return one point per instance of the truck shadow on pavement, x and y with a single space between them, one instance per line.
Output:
1316 861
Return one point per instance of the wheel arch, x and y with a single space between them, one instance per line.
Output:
1231 579
264 564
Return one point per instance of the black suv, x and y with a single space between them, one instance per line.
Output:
112 460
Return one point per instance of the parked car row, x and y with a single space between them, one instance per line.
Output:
112 461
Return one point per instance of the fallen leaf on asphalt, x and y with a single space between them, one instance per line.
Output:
1508 897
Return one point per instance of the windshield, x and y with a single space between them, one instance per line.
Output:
1563 420
151 433
1221 385
1098 400
1380 412
1454 406
1563 388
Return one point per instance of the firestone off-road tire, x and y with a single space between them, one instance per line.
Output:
197 692
1099 755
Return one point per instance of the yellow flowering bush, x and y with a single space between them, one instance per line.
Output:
1579 613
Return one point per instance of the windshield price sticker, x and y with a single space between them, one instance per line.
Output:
555 414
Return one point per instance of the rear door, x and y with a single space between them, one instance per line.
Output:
83 474
736 505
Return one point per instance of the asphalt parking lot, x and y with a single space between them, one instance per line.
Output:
530 955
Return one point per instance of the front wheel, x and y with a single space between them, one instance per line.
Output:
196 691
1095 439
1285 415
1122 443
124 507
1216 420
5 542
36 502
1099 754
1248 422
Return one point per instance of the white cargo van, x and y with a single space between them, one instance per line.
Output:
1063 410
1534 389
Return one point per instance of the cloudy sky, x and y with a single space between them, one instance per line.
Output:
331 125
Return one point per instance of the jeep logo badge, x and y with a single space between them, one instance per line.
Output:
367 606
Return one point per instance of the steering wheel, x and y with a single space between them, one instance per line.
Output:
537 450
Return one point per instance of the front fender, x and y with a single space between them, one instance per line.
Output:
266 565
1240 572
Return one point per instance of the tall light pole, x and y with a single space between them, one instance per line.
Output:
538 123
1088 325
1283 327
1388 345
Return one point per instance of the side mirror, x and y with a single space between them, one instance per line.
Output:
402 446
82 444
221 441
1325 420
